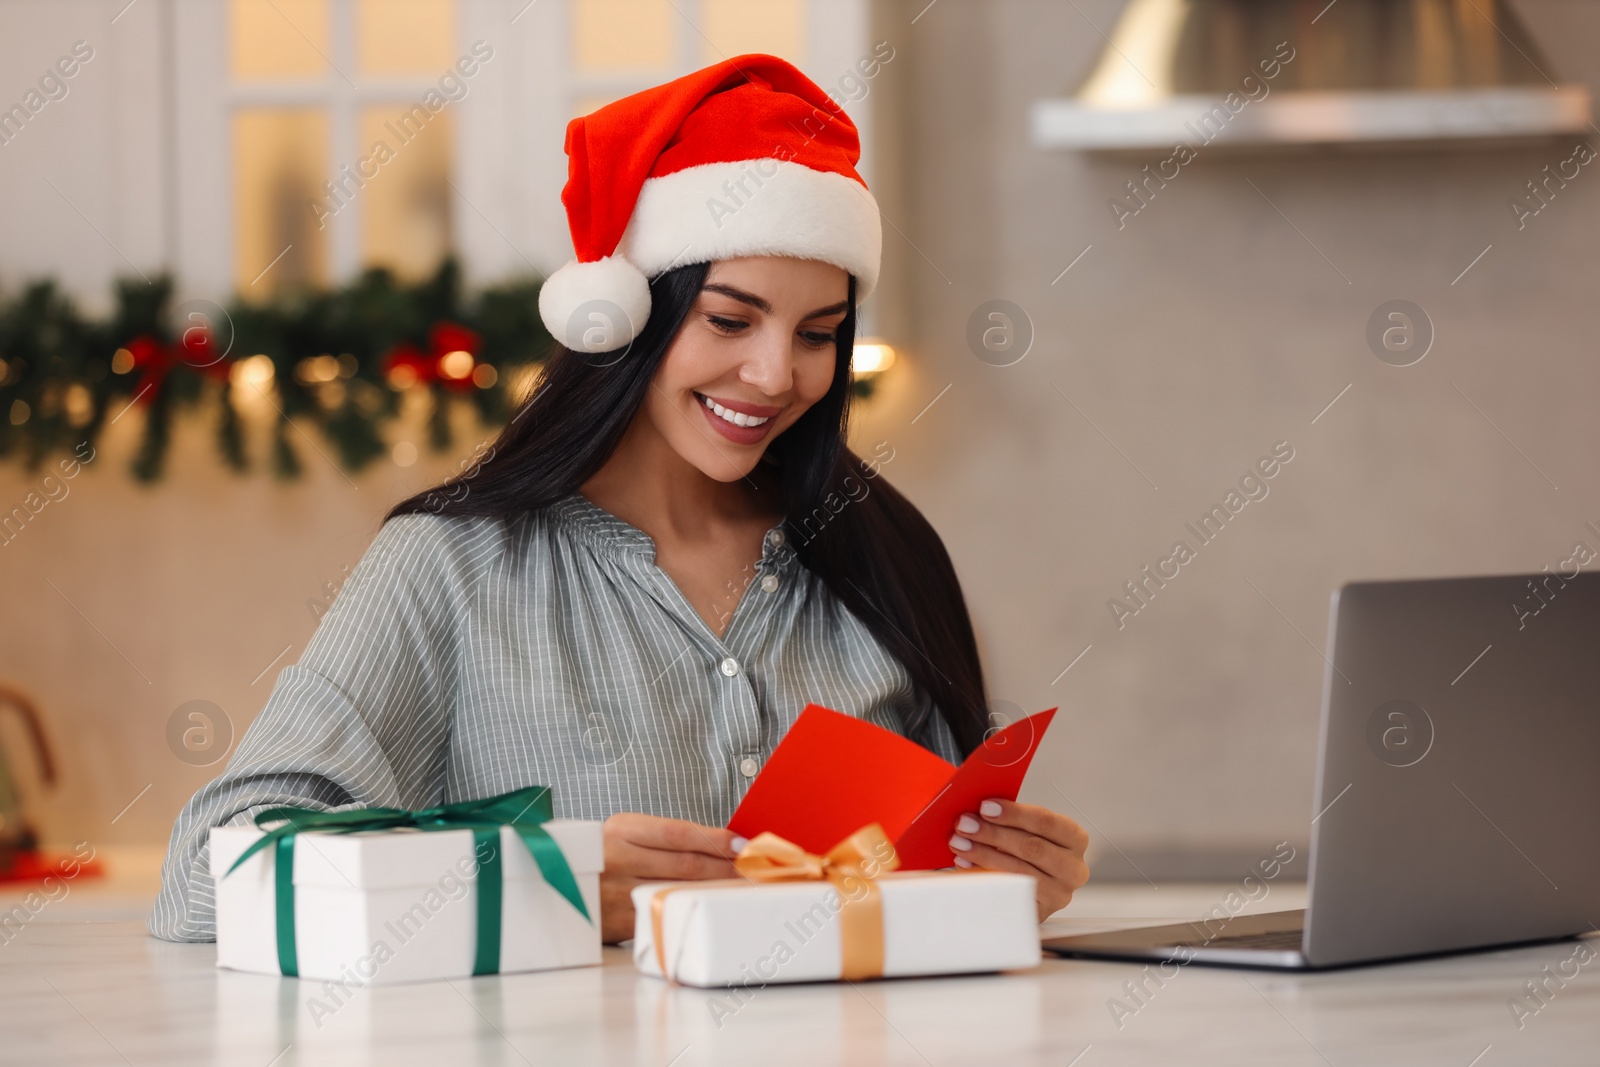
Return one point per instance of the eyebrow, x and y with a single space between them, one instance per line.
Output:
761 304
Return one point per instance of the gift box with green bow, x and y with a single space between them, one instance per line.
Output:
379 895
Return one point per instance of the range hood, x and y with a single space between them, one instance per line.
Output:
1262 72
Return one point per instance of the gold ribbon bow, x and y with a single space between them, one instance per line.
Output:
851 866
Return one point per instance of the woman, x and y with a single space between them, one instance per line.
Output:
662 560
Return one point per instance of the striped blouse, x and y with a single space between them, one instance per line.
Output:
467 657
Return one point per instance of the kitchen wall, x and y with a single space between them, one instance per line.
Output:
1182 347
1176 352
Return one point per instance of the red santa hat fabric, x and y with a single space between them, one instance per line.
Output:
747 157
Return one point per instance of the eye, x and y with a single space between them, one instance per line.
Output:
818 339
725 325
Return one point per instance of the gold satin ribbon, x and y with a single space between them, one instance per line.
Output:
860 858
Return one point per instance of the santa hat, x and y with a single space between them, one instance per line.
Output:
744 158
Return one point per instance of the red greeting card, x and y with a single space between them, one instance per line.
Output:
832 774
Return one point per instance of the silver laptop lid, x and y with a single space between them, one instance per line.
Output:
1458 791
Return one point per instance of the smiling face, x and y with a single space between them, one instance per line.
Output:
754 353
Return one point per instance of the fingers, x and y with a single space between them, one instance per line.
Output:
1052 860
992 859
1050 825
654 864
1052 894
673 835
648 847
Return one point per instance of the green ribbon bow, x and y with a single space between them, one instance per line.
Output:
523 810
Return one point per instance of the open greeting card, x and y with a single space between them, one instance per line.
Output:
832 773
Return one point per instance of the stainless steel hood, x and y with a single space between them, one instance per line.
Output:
1261 72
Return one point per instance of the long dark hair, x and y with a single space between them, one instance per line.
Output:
853 531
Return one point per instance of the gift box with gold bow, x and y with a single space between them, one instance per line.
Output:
381 895
793 916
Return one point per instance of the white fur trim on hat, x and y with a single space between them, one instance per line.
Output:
756 207
595 307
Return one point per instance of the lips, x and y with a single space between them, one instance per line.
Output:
739 421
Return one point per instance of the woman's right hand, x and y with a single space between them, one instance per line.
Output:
649 848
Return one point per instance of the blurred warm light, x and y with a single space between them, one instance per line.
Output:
316 369
19 412
871 357
402 376
332 396
457 364
253 370
121 361
404 453
79 403
348 365
484 376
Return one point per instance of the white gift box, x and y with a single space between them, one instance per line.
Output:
401 905
755 935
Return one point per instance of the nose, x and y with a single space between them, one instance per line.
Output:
770 364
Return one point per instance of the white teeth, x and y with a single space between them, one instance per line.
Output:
736 417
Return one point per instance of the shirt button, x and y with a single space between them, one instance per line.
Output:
749 766
769 583
729 666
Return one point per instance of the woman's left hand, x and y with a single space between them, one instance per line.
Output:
1003 835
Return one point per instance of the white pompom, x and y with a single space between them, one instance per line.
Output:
595 307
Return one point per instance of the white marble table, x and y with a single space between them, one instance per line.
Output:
81 986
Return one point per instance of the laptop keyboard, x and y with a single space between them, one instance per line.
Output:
1273 939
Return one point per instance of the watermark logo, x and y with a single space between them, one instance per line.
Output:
340 191
1542 190
1399 333
53 85
999 333
605 736
1139 591
199 733
1253 888
205 333
1400 733
1142 188
1540 990
1000 749
600 327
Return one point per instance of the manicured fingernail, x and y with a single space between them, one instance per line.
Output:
738 843
959 843
962 861
989 808
967 824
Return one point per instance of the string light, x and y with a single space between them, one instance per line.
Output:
457 364
253 370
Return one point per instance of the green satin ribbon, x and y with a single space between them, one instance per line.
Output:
523 810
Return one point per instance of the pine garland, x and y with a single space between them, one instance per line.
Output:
340 362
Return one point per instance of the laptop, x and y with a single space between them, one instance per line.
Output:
1457 791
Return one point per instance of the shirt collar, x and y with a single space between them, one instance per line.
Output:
605 532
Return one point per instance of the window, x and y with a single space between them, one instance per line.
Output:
737 27
280 158
336 164
622 46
